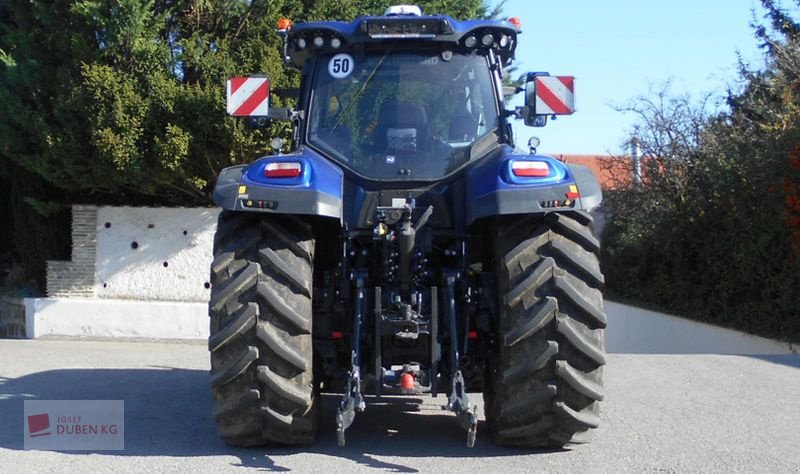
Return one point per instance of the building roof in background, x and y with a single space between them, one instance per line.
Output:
613 172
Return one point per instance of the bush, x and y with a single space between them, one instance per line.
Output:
713 233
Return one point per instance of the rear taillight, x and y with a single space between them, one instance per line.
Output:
291 169
530 169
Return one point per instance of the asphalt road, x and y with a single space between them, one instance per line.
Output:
663 413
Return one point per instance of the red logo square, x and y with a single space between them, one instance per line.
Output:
39 423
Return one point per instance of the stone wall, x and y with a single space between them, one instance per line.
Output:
12 317
137 253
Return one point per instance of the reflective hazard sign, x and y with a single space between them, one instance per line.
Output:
555 95
248 96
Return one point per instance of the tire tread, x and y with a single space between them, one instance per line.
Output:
261 320
545 380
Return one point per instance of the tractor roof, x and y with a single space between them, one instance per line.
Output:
418 31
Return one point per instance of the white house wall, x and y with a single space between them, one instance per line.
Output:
154 254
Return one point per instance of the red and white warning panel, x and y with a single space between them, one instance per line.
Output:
555 95
248 96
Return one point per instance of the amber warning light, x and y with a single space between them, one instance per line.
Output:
284 24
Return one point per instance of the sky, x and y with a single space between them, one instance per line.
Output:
620 49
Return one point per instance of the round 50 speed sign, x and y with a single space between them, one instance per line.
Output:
341 66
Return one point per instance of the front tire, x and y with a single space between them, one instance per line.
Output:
546 374
260 336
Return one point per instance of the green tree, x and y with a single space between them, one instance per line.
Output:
122 102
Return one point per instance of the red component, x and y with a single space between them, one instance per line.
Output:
407 381
530 169
531 173
337 335
283 170
571 195
472 335
516 22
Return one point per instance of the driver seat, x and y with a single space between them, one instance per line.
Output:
402 127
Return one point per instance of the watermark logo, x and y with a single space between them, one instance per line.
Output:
39 425
74 425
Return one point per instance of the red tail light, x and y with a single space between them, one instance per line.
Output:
291 169
530 169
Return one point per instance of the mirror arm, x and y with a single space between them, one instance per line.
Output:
522 112
275 113
284 113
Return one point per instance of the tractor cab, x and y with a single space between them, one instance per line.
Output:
403 97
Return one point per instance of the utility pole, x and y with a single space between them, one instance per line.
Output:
636 158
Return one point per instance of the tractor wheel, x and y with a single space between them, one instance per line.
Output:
546 372
260 343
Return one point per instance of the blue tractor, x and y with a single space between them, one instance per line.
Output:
405 246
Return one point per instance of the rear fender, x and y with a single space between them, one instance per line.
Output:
317 190
493 189
589 187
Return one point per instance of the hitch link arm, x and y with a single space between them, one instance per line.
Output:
353 399
458 401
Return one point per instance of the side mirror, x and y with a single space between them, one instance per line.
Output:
547 95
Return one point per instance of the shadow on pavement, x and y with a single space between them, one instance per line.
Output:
168 413
790 360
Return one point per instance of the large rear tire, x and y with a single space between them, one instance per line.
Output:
260 343
546 374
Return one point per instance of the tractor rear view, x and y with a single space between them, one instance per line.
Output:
405 246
